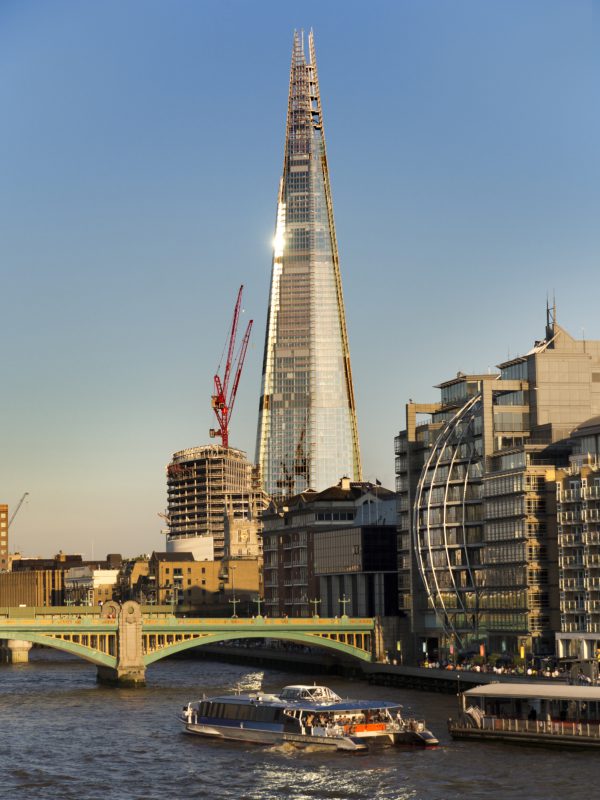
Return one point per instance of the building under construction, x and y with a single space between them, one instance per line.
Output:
204 486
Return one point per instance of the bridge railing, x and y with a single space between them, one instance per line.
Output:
164 615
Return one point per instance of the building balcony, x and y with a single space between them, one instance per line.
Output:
591 515
570 539
569 496
572 607
569 565
569 518
573 586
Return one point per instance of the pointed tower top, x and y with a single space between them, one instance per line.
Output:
298 57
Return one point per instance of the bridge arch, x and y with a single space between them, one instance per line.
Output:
310 640
64 645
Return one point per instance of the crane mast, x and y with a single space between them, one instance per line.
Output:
16 511
222 402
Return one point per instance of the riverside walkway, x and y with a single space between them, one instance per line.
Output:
124 639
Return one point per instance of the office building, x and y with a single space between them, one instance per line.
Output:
89 585
219 588
578 514
331 552
477 551
307 431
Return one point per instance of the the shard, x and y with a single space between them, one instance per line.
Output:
307 432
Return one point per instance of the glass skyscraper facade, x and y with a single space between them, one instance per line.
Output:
307 432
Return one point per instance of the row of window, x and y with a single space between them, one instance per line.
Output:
239 711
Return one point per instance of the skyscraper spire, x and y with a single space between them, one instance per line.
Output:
307 431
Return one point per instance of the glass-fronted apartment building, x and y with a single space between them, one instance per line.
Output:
578 513
477 530
307 431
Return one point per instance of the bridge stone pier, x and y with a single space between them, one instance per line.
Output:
130 670
15 651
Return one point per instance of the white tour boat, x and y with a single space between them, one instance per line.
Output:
305 715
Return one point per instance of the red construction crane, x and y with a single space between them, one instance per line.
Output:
221 402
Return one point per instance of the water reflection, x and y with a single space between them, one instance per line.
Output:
65 737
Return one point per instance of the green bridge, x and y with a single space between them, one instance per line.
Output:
124 639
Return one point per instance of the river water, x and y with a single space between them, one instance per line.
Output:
63 737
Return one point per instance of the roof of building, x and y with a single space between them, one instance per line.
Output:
173 556
355 490
587 427
61 562
536 690
462 377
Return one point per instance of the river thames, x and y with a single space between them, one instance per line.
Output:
63 736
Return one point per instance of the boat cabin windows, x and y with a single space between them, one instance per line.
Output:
240 711
317 694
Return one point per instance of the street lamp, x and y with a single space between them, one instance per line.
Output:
315 603
343 601
258 600
233 600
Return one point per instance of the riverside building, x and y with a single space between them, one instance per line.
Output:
578 514
331 552
307 431
477 553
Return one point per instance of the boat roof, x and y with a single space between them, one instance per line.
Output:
343 705
305 704
540 691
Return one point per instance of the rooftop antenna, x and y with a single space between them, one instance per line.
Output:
550 317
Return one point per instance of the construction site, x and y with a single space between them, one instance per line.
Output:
211 488
205 486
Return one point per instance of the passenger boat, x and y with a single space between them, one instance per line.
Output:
531 713
305 715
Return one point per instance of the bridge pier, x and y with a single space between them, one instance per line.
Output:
15 651
129 678
130 671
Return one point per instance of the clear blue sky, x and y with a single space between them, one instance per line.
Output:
141 146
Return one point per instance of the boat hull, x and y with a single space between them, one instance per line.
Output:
262 736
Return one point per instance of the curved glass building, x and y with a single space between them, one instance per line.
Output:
448 521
